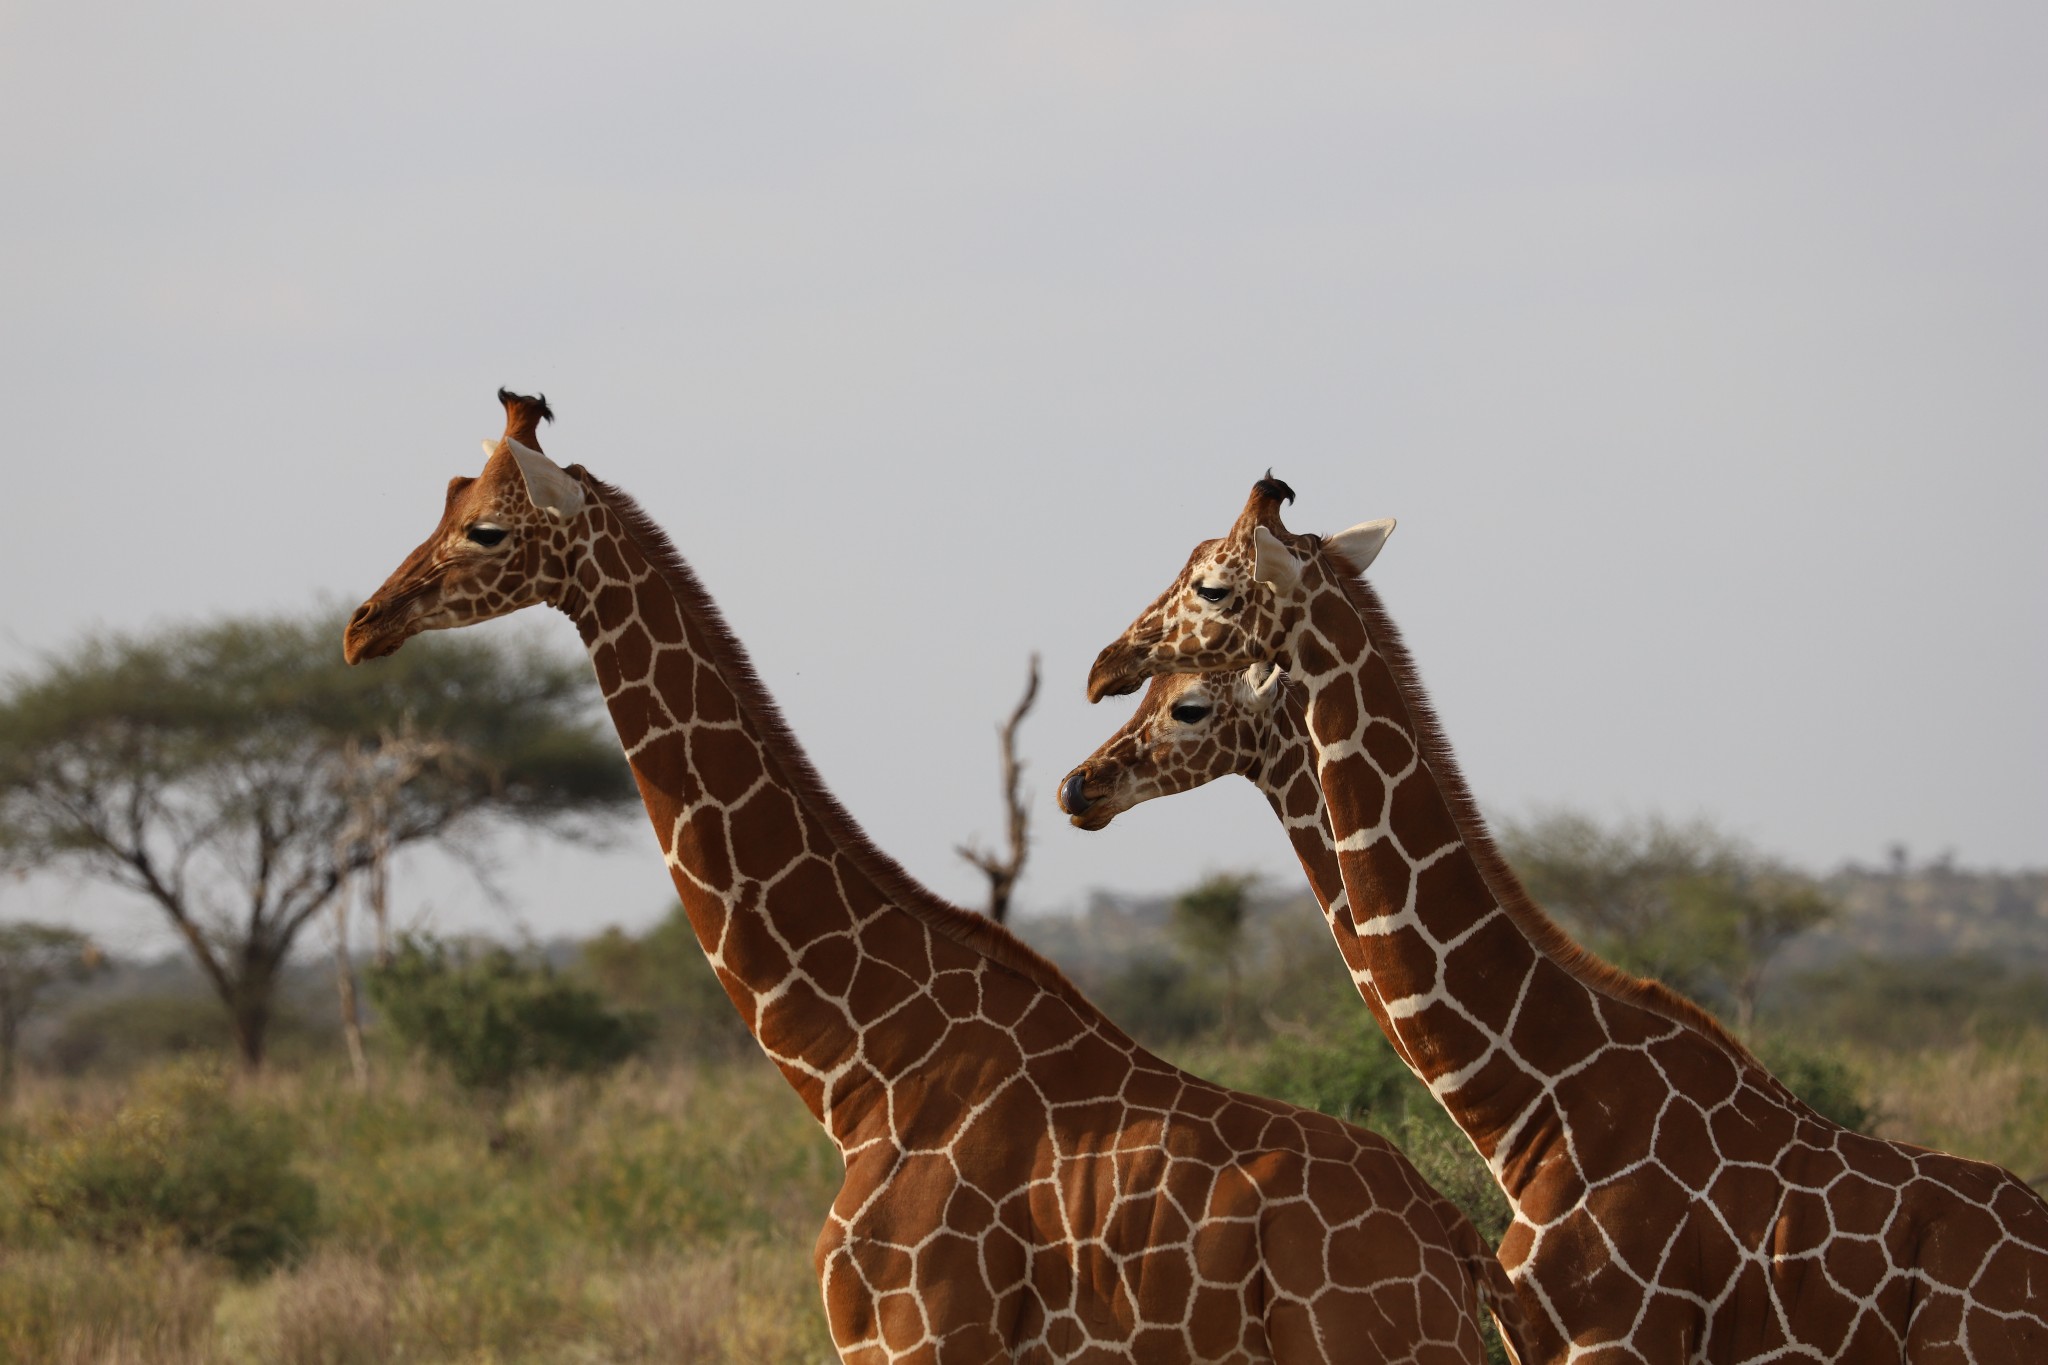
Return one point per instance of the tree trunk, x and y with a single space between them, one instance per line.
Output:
345 986
249 1008
8 1038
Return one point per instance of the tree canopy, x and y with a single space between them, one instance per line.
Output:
203 768
1688 904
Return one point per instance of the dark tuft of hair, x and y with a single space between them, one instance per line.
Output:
1276 489
537 404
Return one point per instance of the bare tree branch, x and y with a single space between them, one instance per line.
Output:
1003 871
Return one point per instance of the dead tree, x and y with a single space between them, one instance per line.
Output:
1003 871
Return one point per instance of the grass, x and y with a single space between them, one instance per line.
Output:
654 1215
664 1213
1984 1100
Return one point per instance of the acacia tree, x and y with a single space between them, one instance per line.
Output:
1686 903
204 768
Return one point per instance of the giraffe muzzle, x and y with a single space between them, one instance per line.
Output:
1119 670
1074 793
373 632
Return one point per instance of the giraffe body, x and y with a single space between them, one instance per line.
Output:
1672 1201
1023 1182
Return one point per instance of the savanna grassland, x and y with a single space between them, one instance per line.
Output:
170 1208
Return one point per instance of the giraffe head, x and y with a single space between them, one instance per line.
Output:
1239 600
1190 729
501 544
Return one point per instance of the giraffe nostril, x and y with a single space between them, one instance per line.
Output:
365 613
1073 796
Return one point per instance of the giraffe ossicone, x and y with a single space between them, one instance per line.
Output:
1023 1182
1672 1201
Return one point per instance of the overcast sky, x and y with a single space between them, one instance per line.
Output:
1703 360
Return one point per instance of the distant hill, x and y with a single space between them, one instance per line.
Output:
1937 910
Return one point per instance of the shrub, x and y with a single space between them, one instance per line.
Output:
1353 1076
663 972
1828 1086
492 1020
179 1165
1159 1001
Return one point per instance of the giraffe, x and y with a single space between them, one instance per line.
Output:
1023 1182
1671 1200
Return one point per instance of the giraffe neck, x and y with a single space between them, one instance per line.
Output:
1286 772
814 934
1461 990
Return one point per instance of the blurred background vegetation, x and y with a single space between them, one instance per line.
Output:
572 1151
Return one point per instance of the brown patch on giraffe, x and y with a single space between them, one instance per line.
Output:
1334 721
635 713
1684 1145
1382 875
1408 971
1303 797
1487 969
1218 1312
1073 1080
701 844
715 702
674 679
916 1027
958 994
1144 1088
1669 1323
636 652
1552 1039
611 564
878 988
727 761
1439 1039
604 660
1365 797
1596 1102
1389 749
1047 1026
811 883
1419 821
765 834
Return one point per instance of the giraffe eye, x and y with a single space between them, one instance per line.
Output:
1212 594
1188 712
485 534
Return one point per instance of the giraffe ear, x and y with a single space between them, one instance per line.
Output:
1273 563
547 483
1361 544
1265 683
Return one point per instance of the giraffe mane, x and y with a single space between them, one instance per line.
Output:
977 932
1543 932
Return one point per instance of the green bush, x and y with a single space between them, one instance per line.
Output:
179 1165
1158 1001
664 974
492 1019
1354 1075
1828 1086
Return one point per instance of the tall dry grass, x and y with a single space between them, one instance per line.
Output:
1982 1100
660 1214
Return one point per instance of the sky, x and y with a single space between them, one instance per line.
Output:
1698 351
